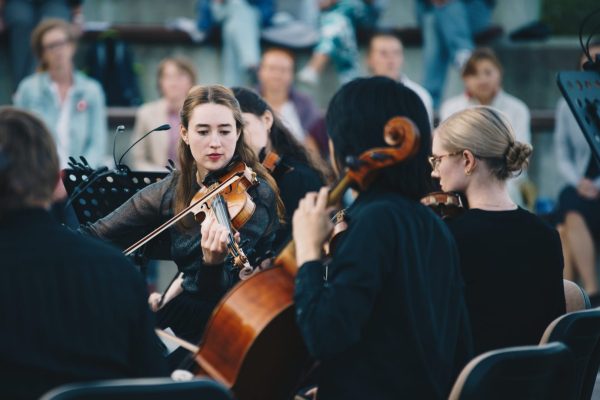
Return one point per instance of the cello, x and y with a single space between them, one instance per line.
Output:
251 343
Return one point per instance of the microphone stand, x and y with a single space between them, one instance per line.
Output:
120 167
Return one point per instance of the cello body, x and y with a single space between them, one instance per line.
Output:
258 352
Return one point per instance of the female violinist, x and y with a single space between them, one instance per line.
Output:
289 162
372 317
511 260
211 137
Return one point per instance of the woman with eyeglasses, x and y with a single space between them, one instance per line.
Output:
511 260
71 104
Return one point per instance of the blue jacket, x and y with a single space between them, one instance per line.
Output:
87 127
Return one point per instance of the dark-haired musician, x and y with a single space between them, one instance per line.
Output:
386 317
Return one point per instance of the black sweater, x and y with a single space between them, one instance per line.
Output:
71 309
390 320
512 264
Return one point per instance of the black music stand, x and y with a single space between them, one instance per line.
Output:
581 90
105 192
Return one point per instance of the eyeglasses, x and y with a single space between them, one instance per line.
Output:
434 161
55 45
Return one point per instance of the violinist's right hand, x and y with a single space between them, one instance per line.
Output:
154 301
214 241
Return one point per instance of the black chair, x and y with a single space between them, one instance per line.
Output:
580 331
138 389
527 372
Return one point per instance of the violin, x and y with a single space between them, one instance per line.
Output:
444 204
340 225
227 198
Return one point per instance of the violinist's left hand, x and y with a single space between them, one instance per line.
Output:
214 239
311 226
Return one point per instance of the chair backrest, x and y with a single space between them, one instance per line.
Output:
575 297
580 331
138 389
527 372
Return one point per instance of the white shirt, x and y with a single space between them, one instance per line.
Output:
63 124
515 110
289 116
422 93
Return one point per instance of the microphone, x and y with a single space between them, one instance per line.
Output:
119 129
164 127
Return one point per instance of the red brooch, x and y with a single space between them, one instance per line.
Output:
82 105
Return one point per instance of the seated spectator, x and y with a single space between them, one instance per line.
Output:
73 309
21 17
298 111
71 104
337 43
511 260
385 57
294 171
448 27
175 77
579 201
241 21
482 76
294 25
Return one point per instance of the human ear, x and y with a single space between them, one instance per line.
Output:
184 134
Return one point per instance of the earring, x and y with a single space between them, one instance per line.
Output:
468 172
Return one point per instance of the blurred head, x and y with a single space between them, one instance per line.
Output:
264 129
482 74
30 168
176 76
53 43
476 143
385 55
356 118
276 70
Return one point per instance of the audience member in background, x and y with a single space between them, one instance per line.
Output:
482 76
70 104
448 27
511 260
298 111
176 76
579 201
241 21
385 57
72 308
21 17
337 43
293 171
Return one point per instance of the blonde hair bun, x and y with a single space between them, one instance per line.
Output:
517 157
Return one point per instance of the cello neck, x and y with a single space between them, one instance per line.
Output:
287 257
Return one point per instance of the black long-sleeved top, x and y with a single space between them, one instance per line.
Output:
389 321
153 205
511 263
71 309
294 180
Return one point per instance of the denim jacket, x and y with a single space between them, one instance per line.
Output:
87 127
